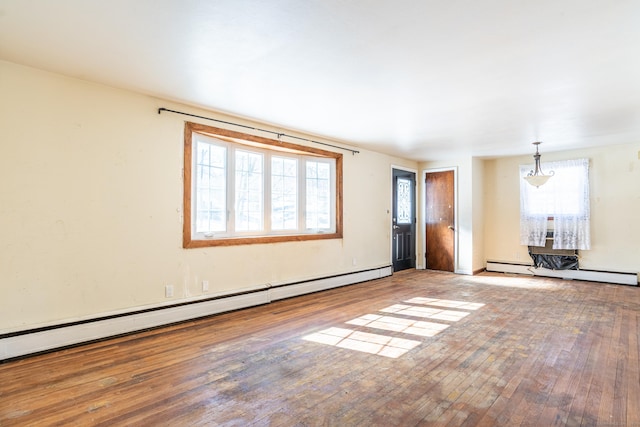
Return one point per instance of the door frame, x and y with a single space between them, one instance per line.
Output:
423 215
390 211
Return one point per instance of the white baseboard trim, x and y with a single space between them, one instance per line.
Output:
287 291
22 343
621 278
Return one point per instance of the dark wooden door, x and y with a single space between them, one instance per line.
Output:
440 217
404 220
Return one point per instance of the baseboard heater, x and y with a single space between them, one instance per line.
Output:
621 278
26 342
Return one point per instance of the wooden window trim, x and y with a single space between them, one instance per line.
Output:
187 241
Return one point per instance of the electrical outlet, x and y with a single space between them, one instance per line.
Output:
168 291
205 285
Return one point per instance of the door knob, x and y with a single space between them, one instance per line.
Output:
451 227
395 227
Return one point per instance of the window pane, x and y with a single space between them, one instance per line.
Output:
210 188
284 193
318 209
563 194
312 170
248 191
403 200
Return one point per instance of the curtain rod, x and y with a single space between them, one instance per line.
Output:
278 134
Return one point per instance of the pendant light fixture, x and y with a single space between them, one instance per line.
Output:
537 177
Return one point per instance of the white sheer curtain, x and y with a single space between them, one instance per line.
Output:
565 198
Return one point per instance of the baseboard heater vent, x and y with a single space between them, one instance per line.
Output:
554 259
21 343
621 278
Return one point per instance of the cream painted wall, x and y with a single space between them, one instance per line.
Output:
615 203
90 208
477 183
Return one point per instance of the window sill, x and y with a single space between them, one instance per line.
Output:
233 241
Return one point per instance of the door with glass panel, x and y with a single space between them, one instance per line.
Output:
404 220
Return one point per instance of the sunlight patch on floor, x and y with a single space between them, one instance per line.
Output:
425 312
463 305
513 281
419 308
397 324
363 341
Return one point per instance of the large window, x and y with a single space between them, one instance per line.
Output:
564 200
241 189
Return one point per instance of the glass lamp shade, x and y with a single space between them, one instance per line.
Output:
537 180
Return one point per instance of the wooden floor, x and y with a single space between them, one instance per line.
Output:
417 348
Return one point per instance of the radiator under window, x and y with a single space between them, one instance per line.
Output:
554 259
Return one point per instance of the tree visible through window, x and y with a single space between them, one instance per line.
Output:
243 189
249 191
284 193
318 208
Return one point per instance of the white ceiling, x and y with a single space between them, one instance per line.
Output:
422 79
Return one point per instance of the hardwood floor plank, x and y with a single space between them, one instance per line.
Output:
592 348
531 351
609 395
633 356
